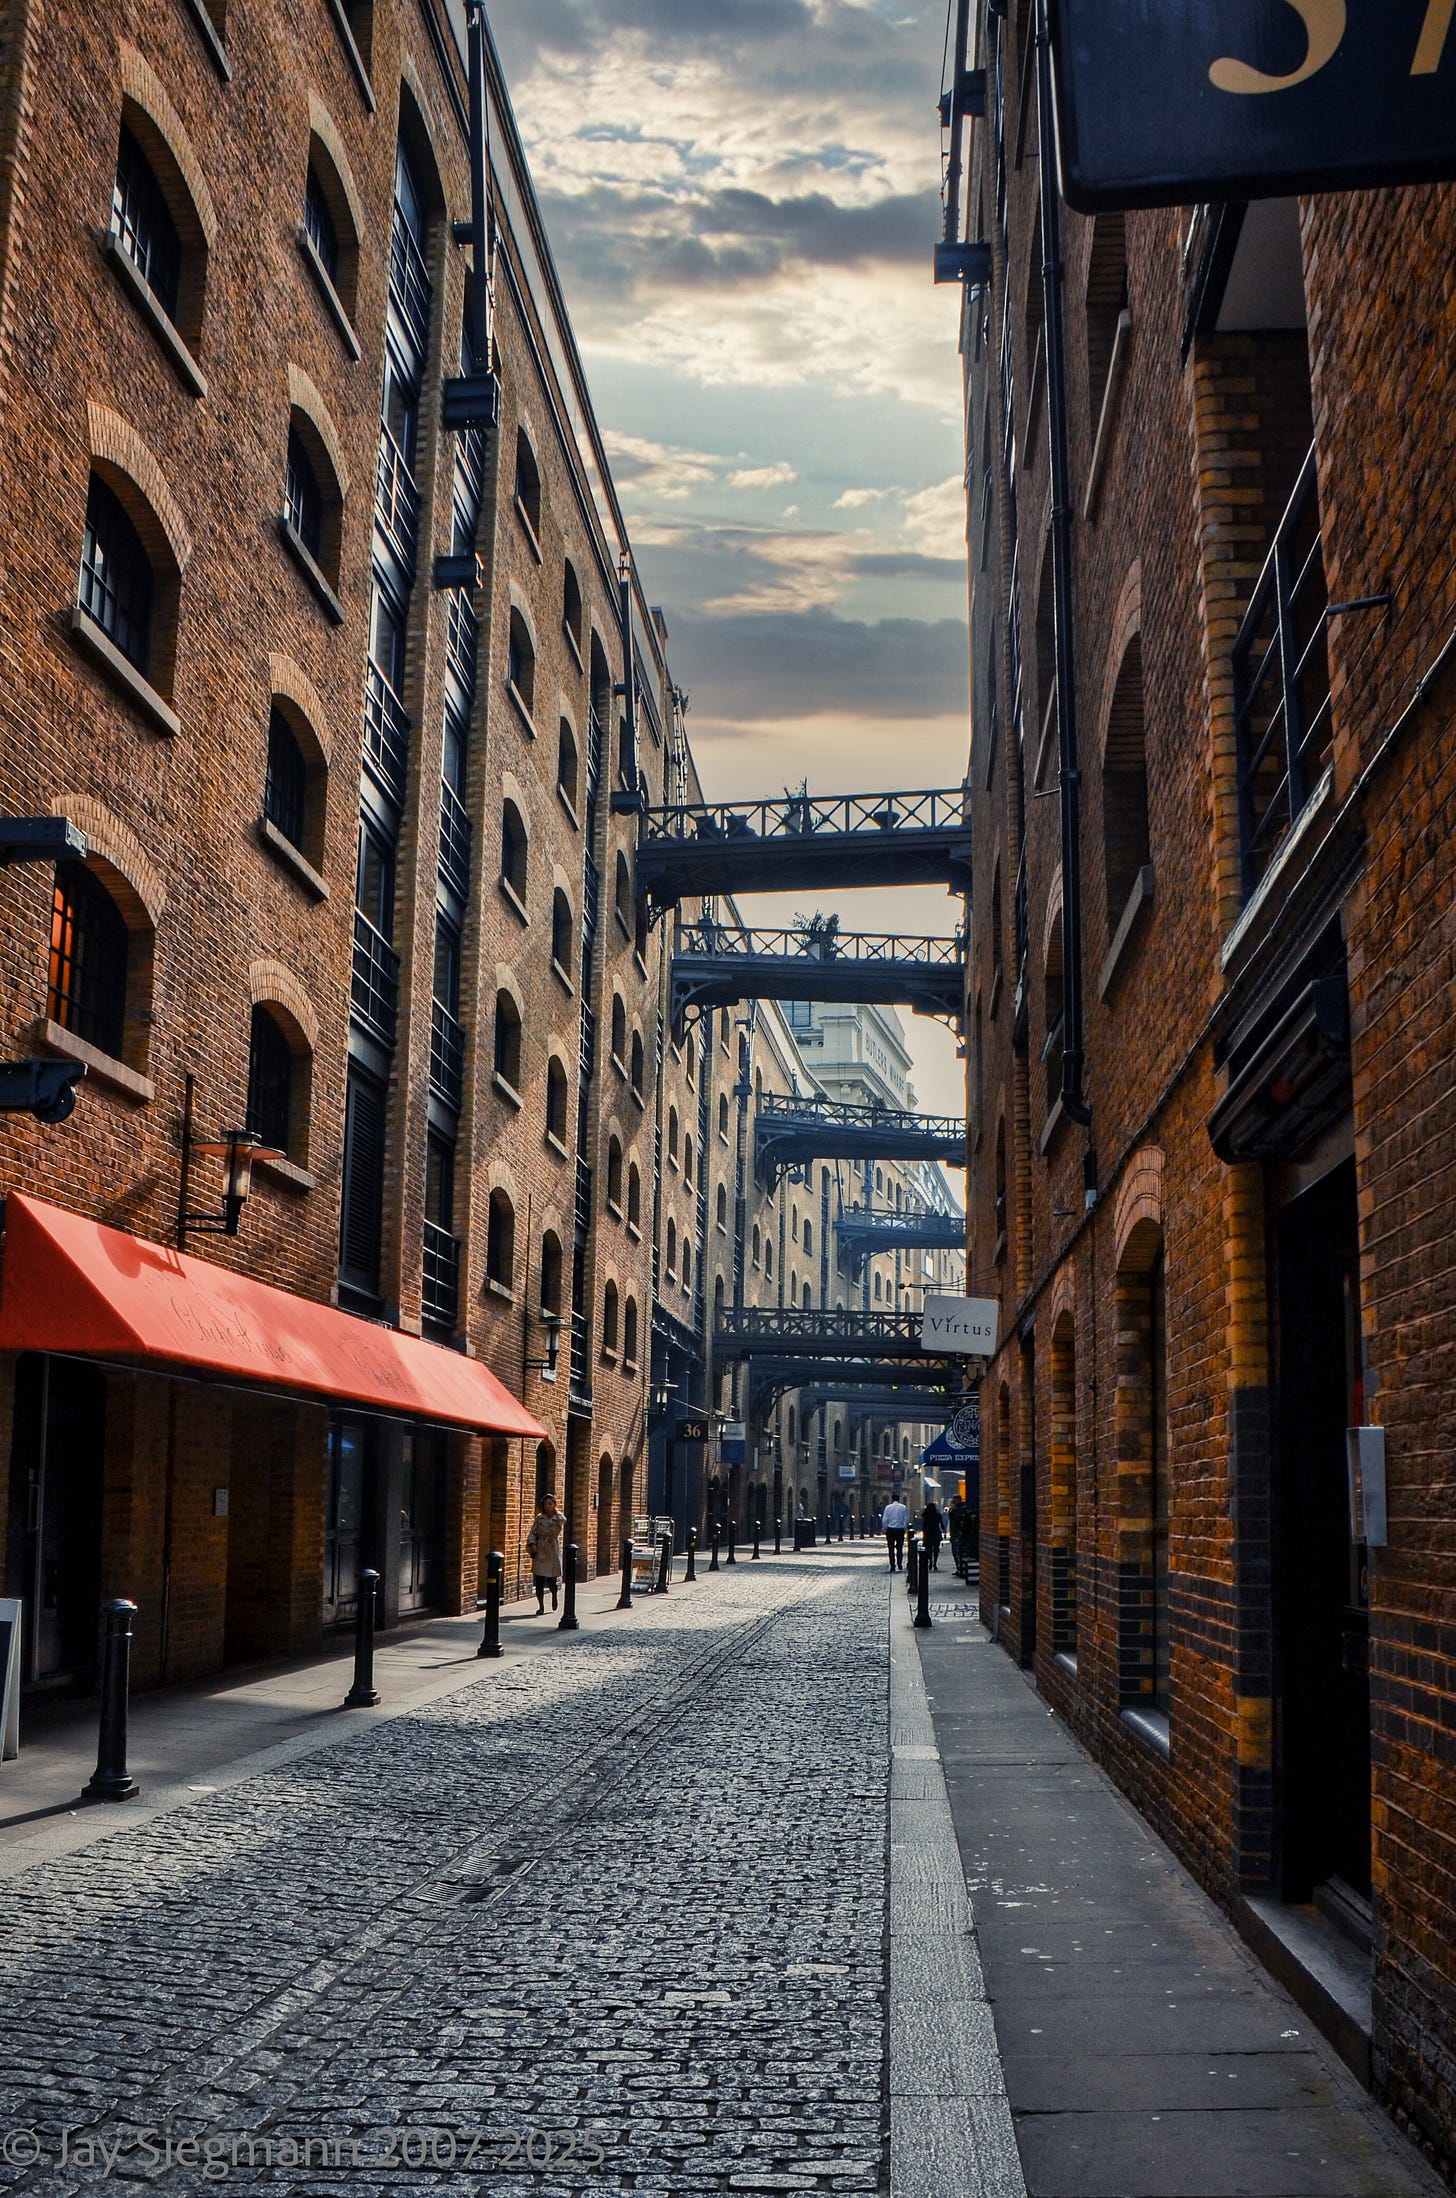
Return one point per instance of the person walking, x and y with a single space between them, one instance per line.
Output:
543 1543
894 1520
958 1534
932 1528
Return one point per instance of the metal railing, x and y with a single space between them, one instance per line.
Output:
374 986
440 1281
580 1362
1281 668
447 1056
409 283
456 833
816 1113
386 734
800 816
396 499
846 1329
711 938
462 639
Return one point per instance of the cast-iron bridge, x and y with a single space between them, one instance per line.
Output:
914 1405
863 1234
843 1332
805 841
929 1391
716 965
788 1131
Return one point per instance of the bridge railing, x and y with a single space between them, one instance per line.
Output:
788 1113
801 816
710 938
800 1325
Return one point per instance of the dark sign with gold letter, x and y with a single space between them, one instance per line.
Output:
1170 102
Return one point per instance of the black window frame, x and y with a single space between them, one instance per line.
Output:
285 783
118 586
88 967
144 225
272 1065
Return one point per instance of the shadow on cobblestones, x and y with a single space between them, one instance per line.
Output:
613 1919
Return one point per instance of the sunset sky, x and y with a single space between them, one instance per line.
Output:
742 197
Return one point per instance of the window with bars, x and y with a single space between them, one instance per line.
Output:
117 584
285 790
142 224
86 989
319 224
270 1081
303 503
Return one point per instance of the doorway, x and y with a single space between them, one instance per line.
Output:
350 1538
55 1528
421 1519
1322 1608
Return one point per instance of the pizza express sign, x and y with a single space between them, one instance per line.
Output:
1170 102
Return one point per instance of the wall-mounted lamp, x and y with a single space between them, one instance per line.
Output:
237 1149
546 1367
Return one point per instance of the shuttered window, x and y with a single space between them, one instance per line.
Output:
363 1183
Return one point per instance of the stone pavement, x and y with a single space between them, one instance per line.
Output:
1145 2053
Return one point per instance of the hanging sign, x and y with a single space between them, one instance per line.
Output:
1172 102
733 1442
960 1446
963 1325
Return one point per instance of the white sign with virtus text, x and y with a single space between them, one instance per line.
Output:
966 1325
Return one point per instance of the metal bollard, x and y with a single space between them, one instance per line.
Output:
568 1621
713 1560
362 1695
624 1600
778 1537
664 1564
922 1594
732 1542
757 1532
690 1573
910 1556
111 1780
490 1641
841 1526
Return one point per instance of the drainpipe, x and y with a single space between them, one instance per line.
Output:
1074 1099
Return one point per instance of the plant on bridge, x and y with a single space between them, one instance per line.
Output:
819 934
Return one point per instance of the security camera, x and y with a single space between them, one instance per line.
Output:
45 1089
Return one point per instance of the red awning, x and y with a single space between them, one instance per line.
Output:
71 1285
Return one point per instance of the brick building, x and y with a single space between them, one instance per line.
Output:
1241 1254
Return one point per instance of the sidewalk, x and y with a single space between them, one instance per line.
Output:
1146 2053
185 1741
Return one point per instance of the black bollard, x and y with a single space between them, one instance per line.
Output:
624 1600
757 1531
664 1564
910 1557
111 1780
362 1695
713 1560
732 1542
690 1574
778 1537
841 1526
490 1641
922 1594
568 1621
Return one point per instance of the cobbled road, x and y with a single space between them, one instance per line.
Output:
609 1918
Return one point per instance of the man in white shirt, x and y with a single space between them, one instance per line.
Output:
894 1521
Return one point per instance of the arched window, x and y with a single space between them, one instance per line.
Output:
768 1258
571 613
500 1241
561 931
757 1246
142 224
270 1107
545 1472
688 1162
634 1196
285 788
556 1100
86 991
528 488
568 765
551 1272
672 1136
515 849
687 1262
313 503
808 1296
637 1070
723 1117
623 898
671 1249
328 224
609 1319
614 1175
508 1040
1125 841
718 1302
629 1336
117 583
619 1031
808 1240
723 1208
521 662
878 1292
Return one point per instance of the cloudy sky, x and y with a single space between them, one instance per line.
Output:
742 197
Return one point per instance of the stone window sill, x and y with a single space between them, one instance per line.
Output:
1056 1116
103 1066
298 866
356 59
637 1098
557 1145
312 570
501 1290
507 1090
122 673
528 530
574 645
634 1230
641 961
608 1355
522 708
614 1209
207 31
621 922
289 1172
568 805
510 894
1137 900
1297 850
563 979
154 313
629 1367
1151 1727
338 311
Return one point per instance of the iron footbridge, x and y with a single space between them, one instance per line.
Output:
805 841
804 1332
863 1234
789 1131
930 1389
716 965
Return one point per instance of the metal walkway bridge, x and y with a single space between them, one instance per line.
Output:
887 1404
930 1388
789 1131
844 1332
865 1233
716 965
805 841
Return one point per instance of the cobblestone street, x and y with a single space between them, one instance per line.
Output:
609 1917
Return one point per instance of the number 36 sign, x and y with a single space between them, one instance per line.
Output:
1169 102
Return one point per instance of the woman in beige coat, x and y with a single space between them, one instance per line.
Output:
544 1544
